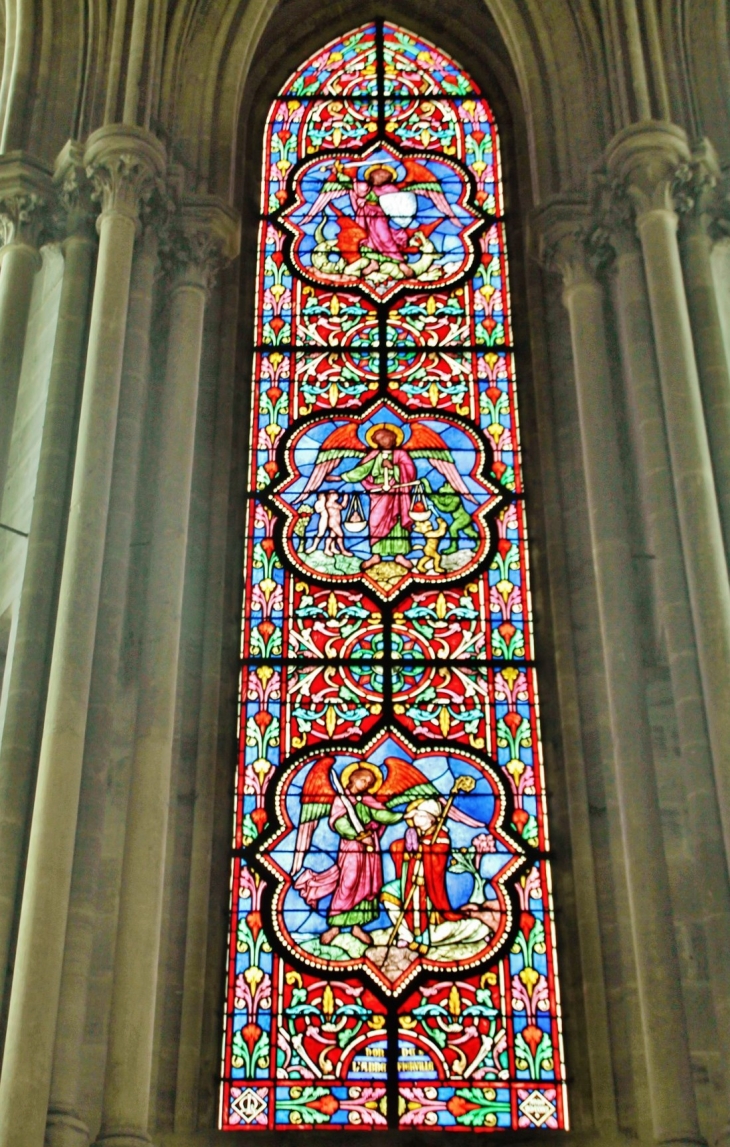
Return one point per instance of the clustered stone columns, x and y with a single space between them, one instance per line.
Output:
84 505
644 160
694 195
18 750
565 227
206 231
646 420
124 164
25 188
65 1126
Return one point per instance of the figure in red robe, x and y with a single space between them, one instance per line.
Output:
418 900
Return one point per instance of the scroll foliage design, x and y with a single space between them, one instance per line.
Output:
392 942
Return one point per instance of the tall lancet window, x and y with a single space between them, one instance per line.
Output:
391 961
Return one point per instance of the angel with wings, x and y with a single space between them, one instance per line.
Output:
387 470
383 207
360 802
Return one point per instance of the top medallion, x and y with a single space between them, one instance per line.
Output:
382 221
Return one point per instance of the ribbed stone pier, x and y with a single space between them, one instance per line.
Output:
205 232
644 159
124 164
564 225
33 641
695 202
65 1126
25 188
655 489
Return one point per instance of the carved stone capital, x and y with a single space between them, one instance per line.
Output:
159 210
26 192
697 194
718 225
705 202
75 211
648 160
204 236
125 165
569 241
22 218
614 213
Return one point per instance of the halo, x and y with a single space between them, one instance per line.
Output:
419 802
375 166
384 426
377 773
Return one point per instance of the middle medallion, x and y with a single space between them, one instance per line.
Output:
385 498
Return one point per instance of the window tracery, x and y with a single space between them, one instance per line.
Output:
392 944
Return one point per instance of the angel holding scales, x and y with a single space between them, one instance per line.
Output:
386 470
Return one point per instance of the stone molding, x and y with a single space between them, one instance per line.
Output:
125 165
649 161
651 167
570 242
204 236
615 227
75 212
26 194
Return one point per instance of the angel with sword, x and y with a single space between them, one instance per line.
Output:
358 814
360 803
383 207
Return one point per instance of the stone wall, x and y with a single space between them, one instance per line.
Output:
17 501
601 115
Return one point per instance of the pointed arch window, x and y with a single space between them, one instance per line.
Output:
391 957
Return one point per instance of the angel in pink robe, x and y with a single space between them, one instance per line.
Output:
387 473
372 226
382 235
355 879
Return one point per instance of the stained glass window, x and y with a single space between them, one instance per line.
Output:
391 958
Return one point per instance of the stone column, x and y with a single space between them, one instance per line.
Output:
20 733
65 1126
206 230
666 1051
693 200
637 64
644 160
655 486
720 260
139 40
124 165
25 188
193 1008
